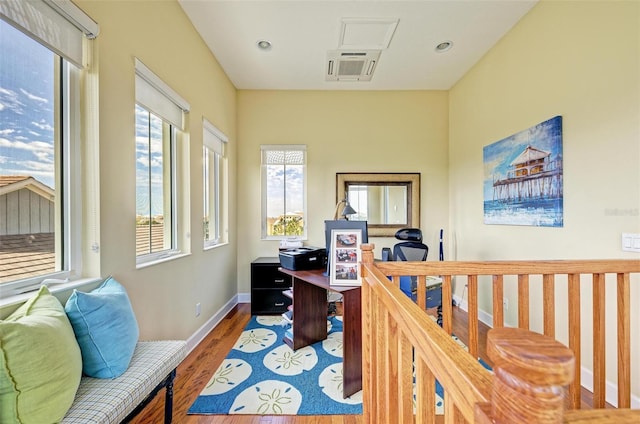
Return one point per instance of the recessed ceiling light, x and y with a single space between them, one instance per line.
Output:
444 46
264 44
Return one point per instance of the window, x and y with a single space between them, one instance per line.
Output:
284 191
161 229
214 184
42 225
155 200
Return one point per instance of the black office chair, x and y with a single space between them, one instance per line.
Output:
411 248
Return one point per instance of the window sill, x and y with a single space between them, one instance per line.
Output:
161 260
54 289
215 246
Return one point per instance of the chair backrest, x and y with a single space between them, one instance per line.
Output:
410 251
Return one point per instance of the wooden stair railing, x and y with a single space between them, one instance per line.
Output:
404 351
399 342
549 278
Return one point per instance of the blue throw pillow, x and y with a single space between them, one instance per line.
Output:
105 327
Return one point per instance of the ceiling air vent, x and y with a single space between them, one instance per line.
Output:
351 65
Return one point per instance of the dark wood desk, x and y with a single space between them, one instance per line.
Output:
310 321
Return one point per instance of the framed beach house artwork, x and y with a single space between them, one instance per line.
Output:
523 177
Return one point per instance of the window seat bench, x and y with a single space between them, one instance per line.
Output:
103 401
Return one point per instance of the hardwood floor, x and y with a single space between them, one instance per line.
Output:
196 370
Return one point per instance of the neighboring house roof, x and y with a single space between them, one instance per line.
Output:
10 183
26 255
530 154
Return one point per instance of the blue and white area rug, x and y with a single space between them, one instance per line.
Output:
263 376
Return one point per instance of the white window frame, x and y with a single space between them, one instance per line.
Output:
66 31
215 184
156 97
286 148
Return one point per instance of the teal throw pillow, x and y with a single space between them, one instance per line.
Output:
105 327
40 362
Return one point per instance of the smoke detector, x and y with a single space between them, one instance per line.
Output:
344 65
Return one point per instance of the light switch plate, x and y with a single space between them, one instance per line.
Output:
630 242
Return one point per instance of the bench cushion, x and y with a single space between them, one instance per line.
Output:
110 401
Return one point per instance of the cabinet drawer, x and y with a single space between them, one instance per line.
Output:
268 301
268 277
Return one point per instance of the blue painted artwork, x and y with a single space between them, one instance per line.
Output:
523 177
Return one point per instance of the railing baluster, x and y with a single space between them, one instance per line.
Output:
447 302
425 393
472 290
498 299
383 364
393 383
405 375
523 301
624 341
574 337
549 305
422 291
599 342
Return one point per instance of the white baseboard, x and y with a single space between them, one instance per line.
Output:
244 297
611 389
211 323
484 317
586 375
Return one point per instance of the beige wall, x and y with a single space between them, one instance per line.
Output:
345 131
159 34
575 59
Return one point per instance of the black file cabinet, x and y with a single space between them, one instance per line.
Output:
267 285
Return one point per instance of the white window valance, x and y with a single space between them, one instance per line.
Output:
157 97
57 24
283 154
213 138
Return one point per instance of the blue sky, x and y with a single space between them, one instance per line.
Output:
26 107
148 156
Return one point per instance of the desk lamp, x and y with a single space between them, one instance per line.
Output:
346 211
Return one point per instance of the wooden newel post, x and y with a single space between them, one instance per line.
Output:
530 373
367 252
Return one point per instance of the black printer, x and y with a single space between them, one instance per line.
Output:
303 258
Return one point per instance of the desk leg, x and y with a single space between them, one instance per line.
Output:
351 342
309 314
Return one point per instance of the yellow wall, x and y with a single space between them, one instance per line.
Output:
159 34
345 131
575 59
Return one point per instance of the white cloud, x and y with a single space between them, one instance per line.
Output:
33 97
43 125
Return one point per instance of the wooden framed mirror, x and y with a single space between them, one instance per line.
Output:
387 201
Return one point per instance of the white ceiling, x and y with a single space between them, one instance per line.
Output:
303 31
